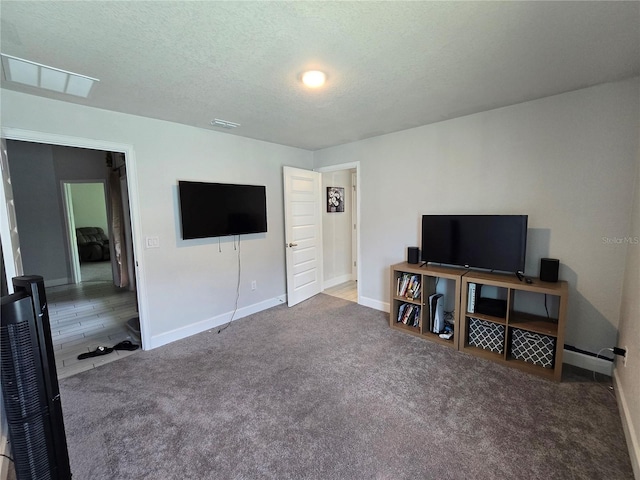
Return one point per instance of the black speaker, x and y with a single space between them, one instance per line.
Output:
413 255
33 285
30 385
549 269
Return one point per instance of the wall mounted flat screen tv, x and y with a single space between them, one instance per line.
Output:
221 209
494 242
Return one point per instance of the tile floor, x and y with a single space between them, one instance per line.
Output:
346 291
87 315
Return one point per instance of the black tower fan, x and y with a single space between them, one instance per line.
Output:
30 384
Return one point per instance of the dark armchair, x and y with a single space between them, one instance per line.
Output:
93 244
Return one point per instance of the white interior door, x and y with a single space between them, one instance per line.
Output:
8 224
303 233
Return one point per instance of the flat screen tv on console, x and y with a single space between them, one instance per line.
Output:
493 242
221 209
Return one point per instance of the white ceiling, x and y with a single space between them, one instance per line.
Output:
391 65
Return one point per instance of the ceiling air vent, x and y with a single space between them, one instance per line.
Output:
224 124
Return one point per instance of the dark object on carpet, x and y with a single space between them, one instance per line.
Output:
325 390
96 353
126 345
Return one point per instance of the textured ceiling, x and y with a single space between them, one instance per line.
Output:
391 65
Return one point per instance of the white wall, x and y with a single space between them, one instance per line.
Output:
79 164
337 231
89 207
37 171
568 161
627 377
38 212
187 285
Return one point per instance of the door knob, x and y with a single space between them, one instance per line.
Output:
293 245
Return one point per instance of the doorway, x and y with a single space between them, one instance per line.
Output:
84 314
85 207
336 238
340 231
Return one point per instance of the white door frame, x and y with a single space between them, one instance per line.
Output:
70 227
355 223
350 166
9 238
70 224
134 201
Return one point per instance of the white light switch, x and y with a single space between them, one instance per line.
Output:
152 242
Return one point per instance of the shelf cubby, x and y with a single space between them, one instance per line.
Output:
433 279
540 334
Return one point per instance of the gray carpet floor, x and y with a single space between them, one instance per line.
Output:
326 390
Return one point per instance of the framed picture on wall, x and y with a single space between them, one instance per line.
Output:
335 199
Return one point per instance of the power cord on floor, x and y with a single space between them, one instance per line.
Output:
609 389
237 290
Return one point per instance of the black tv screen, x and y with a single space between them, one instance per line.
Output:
220 209
494 242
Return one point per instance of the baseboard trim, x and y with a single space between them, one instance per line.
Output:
593 364
57 282
336 281
633 444
213 322
372 303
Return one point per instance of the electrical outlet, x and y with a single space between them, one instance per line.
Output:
626 356
254 285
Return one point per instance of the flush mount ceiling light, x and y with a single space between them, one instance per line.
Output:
34 74
314 78
216 122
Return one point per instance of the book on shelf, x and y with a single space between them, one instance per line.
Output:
471 300
415 319
400 285
408 286
401 310
409 314
414 290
